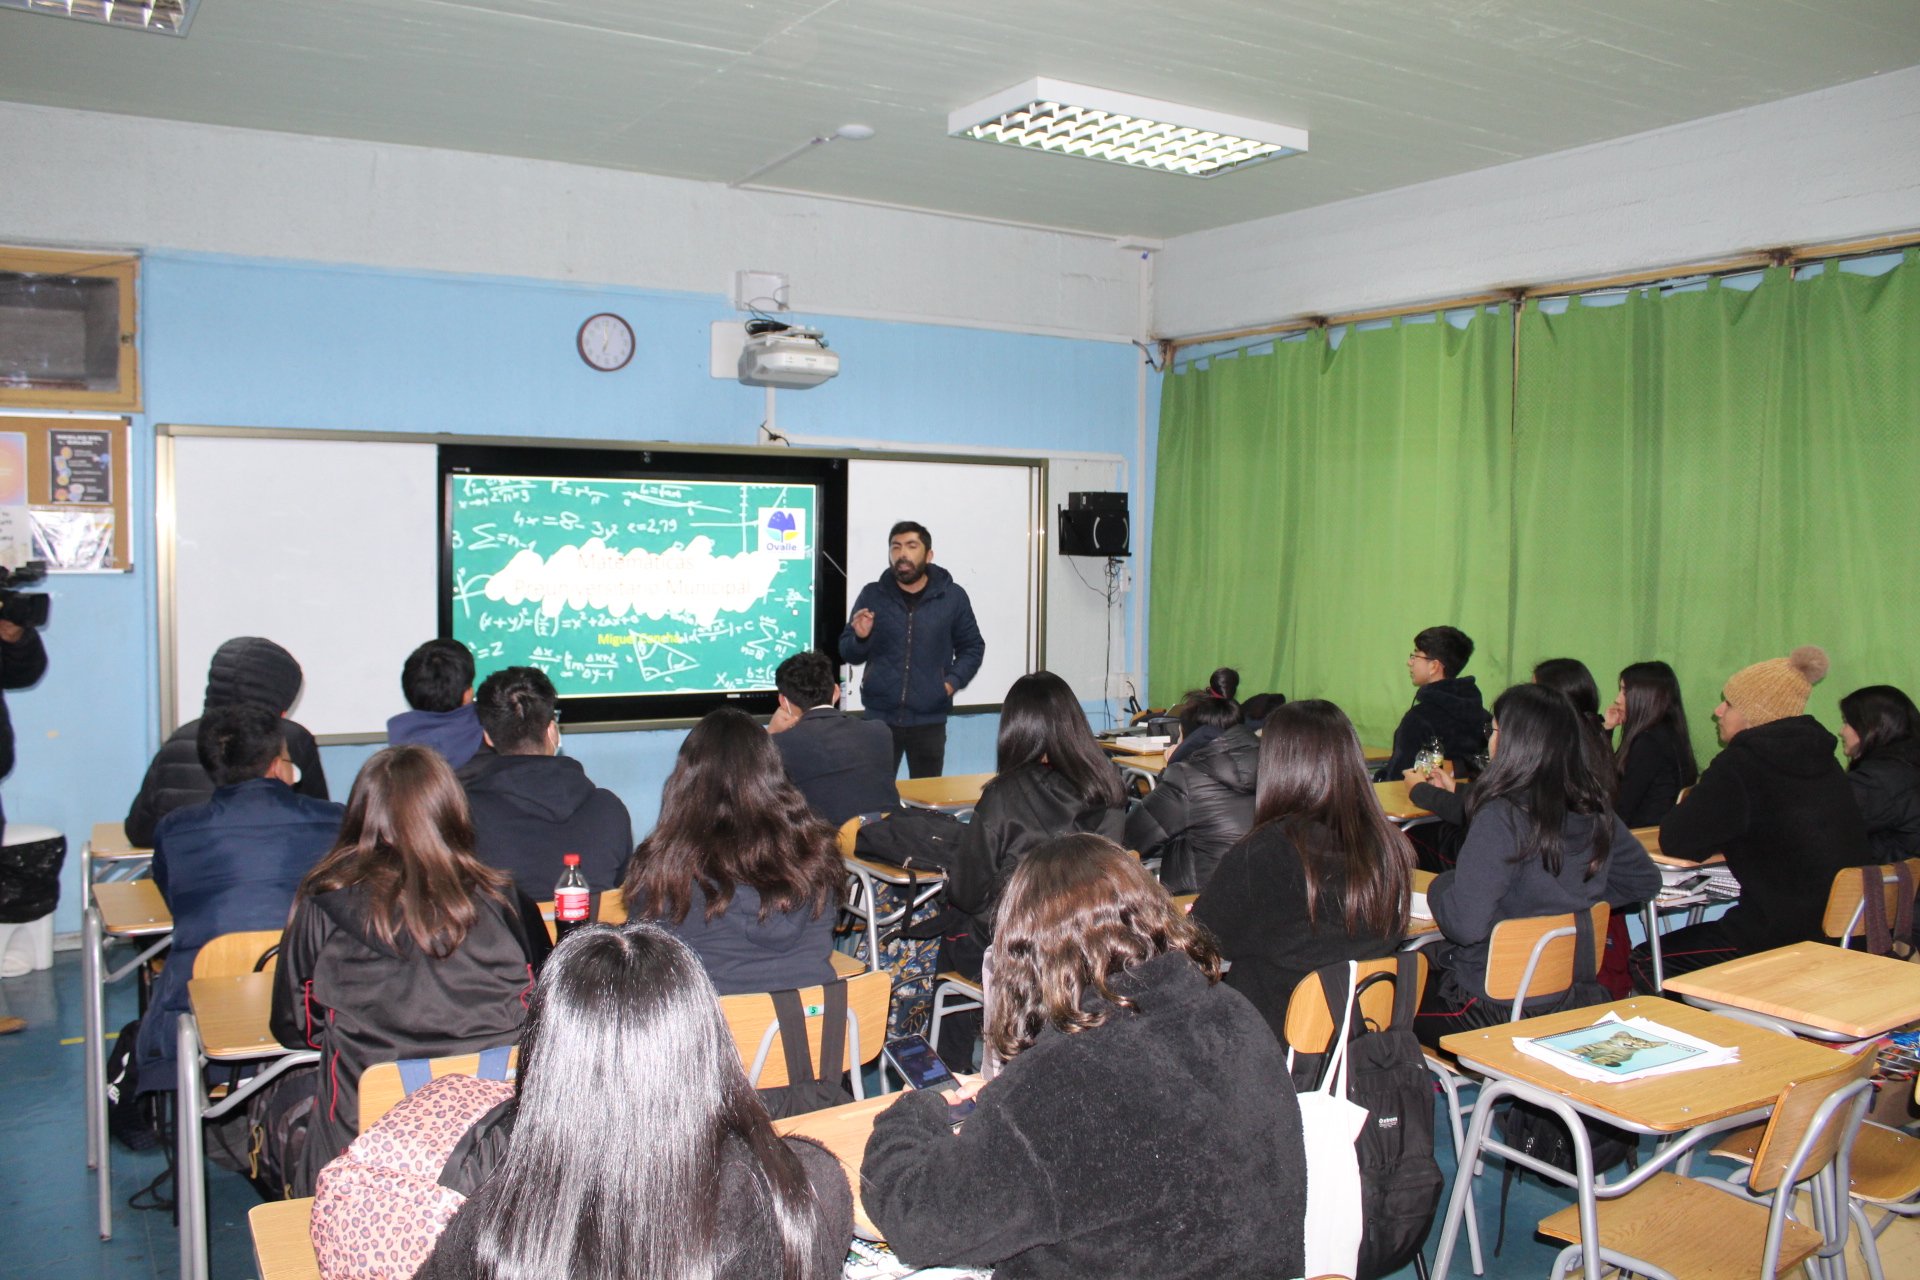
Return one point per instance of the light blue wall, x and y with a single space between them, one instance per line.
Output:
270 343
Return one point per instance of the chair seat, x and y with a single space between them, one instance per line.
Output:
1883 1169
950 978
1688 1228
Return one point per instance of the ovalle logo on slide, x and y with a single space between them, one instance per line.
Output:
783 532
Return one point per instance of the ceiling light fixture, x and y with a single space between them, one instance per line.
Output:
1120 128
168 17
851 132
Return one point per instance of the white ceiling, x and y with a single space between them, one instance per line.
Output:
1393 91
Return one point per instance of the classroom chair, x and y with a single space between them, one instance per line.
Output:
1845 918
232 954
1700 1228
383 1084
756 1026
610 909
863 902
952 993
282 1245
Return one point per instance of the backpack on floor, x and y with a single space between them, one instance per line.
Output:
379 1209
130 1115
274 1131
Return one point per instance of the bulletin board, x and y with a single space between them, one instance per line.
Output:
76 493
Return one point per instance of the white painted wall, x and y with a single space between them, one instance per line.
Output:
1840 164
91 179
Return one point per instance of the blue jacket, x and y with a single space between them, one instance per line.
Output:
454 734
919 643
230 865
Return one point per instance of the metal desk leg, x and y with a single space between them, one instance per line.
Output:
1650 917
189 1175
93 1000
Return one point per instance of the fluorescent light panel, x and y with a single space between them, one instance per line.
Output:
1121 128
168 17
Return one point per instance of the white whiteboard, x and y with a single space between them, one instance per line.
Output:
330 548
984 521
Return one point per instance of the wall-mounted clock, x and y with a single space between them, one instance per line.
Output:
606 342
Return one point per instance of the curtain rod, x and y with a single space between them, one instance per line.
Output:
1741 262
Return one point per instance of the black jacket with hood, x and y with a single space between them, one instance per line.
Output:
1777 803
1197 810
920 642
1449 710
1887 785
530 812
1650 783
244 669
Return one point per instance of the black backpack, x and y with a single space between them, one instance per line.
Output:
916 839
803 1092
1400 1182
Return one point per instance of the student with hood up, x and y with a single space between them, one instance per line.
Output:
244 669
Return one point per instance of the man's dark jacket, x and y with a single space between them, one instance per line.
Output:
1197 810
230 865
1887 785
21 663
1164 1144
920 642
842 764
455 734
529 812
1449 710
1777 803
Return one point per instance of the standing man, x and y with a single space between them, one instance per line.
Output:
915 632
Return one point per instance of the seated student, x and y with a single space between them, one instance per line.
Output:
1053 779
1880 731
1144 1123
437 680
1323 878
531 806
230 865
1197 809
244 669
638 1149
1446 705
1571 677
738 867
1654 761
1207 713
401 944
1543 841
1778 805
1255 710
842 764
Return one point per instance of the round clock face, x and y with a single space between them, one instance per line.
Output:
606 342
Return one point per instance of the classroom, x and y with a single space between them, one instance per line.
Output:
760 578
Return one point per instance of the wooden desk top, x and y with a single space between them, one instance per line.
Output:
1416 927
944 793
1851 993
132 908
843 1131
110 838
1377 755
1185 901
233 1014
890 874
1150 762
1649 838
282 1247
1394 799
1664 1104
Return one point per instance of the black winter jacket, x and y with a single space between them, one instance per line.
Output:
1018 810
1651 782
1887 785
1163 1144
1196 811
530 812
842 764
21 663
920 642
1778 805
1449 710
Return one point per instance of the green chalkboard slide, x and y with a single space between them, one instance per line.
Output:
633 586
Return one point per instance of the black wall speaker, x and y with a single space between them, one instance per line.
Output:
1095 524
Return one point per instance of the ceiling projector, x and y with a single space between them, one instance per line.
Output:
783 355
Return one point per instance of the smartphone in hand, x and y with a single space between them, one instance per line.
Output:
914 1060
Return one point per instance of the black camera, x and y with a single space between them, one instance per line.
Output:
24 608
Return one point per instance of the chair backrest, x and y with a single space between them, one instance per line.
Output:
1512 946
233 954
1309 1025
1794 1113
849 833
612 909
380 1087
749 1016
1844 917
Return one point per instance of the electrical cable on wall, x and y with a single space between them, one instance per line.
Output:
1109 594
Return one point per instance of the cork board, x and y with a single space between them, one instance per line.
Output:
79 471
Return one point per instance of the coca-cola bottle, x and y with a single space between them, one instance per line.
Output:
572 904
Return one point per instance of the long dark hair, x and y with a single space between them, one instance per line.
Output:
1041 719
1213 706
1545 769
407 840
630 1096
1886 720
1572 679
1653 702
1078 910
1314 777
728 816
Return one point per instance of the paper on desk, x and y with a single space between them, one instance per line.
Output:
1711 1055
1421 911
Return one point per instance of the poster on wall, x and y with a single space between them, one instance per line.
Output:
82 466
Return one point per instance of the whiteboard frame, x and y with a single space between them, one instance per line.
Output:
166 525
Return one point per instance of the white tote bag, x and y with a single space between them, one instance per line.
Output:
1330 1125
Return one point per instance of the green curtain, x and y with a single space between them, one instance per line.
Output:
1316 506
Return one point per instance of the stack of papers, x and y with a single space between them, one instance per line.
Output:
1421 911
1686 886
1619 1051
1143 745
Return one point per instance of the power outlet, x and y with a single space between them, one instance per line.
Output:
1122 684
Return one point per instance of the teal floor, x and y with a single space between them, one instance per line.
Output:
46 1191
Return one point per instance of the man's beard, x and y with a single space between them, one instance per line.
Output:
906 573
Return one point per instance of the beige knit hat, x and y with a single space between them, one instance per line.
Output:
1777 688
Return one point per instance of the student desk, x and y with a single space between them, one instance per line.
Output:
844 1131
1811 989
228 1023
1649 838
863 902
282 1247
1417 927
109 855
1685 1109
1147 765
1376 755
960 791
1395 800
133 910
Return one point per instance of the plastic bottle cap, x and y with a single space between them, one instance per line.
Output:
572 859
